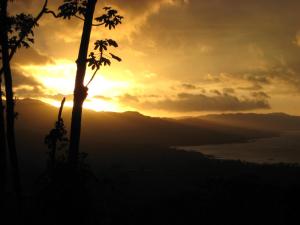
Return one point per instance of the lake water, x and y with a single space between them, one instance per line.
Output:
285 148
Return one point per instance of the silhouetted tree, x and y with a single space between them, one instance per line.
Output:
3 163
84 10
10 115
2 131
57 134
64 195
16 32
26 31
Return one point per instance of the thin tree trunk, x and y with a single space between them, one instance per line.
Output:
10 114
3 163
54 144
80 91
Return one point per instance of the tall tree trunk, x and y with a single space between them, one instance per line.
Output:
3 163
80 91
3 157
10 114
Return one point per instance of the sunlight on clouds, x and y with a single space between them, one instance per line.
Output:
101 105
93 104
101 85
59 79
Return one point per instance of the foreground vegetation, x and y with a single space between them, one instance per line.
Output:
159 185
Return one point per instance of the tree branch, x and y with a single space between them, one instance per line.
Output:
92 78
51 12
98 24
94 74
78 17
61 109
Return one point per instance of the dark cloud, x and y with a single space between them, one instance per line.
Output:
58 97
216 92
31 56
33 92
20 79
253 87
198 102
101 97
260 95
228 90
261 79
189 86
26 86
40 92
127 98
133 6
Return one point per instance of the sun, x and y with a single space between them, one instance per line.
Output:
59 78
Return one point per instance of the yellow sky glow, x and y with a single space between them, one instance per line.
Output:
179 58
59 78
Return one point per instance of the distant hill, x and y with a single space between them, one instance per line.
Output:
271 121
109 130
37 118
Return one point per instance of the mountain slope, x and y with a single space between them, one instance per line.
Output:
271 121
37 118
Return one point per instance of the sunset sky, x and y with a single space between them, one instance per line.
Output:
180 57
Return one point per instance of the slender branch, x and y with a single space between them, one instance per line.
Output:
51 12
61 109
92 78
78 17
94 74
98 24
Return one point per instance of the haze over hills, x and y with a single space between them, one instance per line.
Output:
132 128
37 118
271 121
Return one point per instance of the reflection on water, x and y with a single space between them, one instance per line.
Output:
285 148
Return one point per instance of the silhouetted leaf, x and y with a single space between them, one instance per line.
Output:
112 43
104 61
71 8
111 19
115 57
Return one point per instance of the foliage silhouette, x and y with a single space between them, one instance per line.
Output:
57 134
23 30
